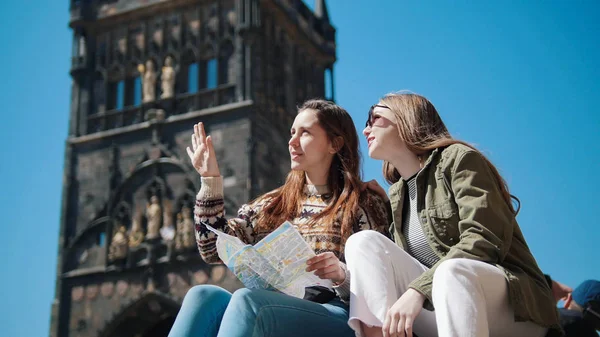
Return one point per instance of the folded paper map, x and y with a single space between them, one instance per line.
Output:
277 262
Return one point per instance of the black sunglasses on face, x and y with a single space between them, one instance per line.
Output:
369 122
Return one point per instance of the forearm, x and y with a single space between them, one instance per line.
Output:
209 210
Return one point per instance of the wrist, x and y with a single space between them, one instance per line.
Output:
417 295
342 279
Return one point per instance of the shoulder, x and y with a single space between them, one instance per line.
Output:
460 154
456 151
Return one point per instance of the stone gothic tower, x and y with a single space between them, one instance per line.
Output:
144 71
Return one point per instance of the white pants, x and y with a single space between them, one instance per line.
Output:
470 297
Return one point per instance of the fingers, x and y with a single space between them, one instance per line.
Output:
329 270
408 325
385 329
194 143
320 257
400 327
202 133
393 328
316 258
321 265
568 301
190 153
199 136
209 145
321 261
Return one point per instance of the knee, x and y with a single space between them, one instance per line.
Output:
364 241
243 299
249 301
206 293
454 272
450 268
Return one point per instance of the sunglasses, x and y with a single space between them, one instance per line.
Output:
370 121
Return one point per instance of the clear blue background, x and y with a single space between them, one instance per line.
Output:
520 80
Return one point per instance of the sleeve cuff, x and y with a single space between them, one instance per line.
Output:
343 289
211 188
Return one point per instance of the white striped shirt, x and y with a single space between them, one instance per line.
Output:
416 242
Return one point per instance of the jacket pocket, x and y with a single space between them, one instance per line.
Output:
444 221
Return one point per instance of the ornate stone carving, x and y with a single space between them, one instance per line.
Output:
119 244
179 235
218 273
148 81
122 287
153 216
136 236
168 79
200 277
77 293
91 291
167 232
189 232
107 289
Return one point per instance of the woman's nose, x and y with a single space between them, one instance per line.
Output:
293 140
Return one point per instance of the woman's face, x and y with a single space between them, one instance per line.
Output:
382 134
310 149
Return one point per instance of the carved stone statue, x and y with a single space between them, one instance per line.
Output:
148 81
136 235
189 232
167 232
153 216
168 79
179 235
118 245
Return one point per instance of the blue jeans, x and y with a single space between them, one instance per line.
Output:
209 311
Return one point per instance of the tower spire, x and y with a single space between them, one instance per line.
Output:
321 10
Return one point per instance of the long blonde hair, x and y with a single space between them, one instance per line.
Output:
344 176
422 130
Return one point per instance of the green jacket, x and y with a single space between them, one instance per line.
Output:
463 215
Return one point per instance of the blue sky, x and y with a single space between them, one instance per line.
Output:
519 80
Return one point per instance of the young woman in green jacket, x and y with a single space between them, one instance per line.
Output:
458 247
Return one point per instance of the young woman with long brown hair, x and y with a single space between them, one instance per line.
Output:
458 249
321 197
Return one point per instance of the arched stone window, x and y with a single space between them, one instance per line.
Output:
188 77
115 99
209 71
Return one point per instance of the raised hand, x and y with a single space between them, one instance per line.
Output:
203 155
560 291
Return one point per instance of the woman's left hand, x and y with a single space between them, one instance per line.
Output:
327 267
401 316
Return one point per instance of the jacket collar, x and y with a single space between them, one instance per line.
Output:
397 186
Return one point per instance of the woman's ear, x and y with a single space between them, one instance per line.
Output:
336 145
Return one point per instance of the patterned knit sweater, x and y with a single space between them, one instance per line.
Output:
373 214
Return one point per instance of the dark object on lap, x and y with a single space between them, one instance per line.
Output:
319 294
591 314
574 324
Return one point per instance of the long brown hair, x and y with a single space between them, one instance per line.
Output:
422 130
285 203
